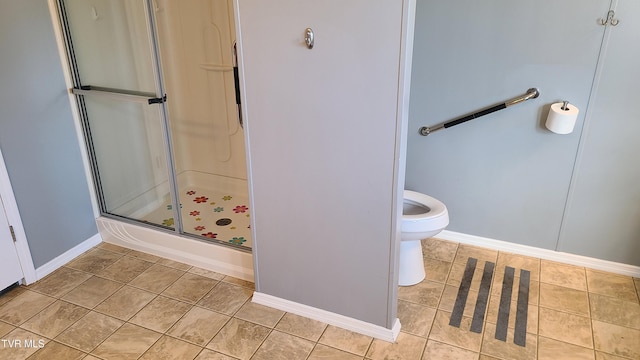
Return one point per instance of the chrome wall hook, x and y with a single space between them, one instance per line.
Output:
308 37
609 19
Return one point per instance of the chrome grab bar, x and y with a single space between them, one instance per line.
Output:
531 94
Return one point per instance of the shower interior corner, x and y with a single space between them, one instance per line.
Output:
213 207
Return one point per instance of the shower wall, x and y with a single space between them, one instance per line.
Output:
196 45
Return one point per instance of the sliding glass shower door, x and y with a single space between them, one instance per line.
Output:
122 101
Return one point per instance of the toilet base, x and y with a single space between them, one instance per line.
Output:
411 263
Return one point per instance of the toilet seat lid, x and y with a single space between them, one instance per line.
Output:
437 208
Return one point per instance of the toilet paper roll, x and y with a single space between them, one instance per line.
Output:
562 121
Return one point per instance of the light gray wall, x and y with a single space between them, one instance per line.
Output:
37 134
504 176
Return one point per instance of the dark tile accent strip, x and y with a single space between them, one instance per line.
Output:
505 304
463 293
520 335
483 297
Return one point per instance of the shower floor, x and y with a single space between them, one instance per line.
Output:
215 215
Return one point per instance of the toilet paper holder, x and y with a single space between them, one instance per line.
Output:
532 93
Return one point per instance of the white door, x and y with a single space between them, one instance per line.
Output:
10 270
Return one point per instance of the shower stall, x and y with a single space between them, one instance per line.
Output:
155 83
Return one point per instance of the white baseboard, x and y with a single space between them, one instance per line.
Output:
546 254
67 256
328 317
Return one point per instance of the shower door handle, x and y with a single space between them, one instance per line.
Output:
236 82
119 94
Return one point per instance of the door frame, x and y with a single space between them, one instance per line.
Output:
13 216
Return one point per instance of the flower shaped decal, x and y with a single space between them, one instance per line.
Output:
210 235
191 192
227 198
218 209
199 228
238 240
240 209
194 213
168 222
201 199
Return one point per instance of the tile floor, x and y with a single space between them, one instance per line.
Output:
114 303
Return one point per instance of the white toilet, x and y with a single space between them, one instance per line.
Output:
422 218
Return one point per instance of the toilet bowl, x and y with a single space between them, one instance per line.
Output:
422 218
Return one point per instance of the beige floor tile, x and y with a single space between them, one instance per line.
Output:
415 319
437 270
346 340
198 326
440 351
460 337
5 328
496 287
92 292
190 288
225 298
481 254
125 302
112 247
507 349
144 256
259 314
206 273
20 344
174 264
239 338
244 283
519 262
434 248
424 293
54 319
160 314
156 278
281 346
323 352
125 269
91 357
564 299
406 346
168 348
615 311
89 332
618 286
301 326
22 307
449 296
605 356
487 357
207 354
94 260
570 328
60 282
457 273
54 351
636 281
549 349
128 342
616 340
12 293
570 276
494 307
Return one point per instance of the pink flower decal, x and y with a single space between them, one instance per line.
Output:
240 209
210 235
194 213
190 192
201 199
199 228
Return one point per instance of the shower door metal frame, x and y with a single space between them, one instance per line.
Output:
159 98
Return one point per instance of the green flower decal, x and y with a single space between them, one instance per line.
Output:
238 240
